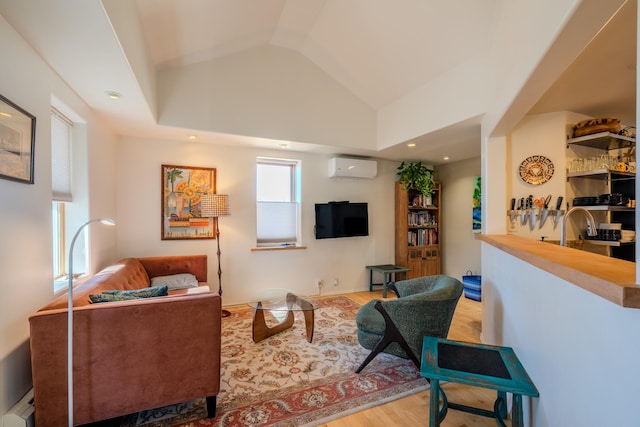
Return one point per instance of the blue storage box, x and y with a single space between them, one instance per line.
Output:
472 286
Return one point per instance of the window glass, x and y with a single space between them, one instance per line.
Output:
61 129
277 202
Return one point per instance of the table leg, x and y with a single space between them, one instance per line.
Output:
517 419
385 280
434 404
501 405
307 308
370 280
260 328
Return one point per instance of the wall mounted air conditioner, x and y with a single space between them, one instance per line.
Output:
21 415
352 168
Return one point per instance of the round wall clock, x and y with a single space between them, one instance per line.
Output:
536 170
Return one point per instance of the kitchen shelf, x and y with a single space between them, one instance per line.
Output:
605 181
603 141
600 173
607 208
608 242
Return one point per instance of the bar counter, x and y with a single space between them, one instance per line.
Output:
609 278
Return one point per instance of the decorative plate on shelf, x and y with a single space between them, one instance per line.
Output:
536 170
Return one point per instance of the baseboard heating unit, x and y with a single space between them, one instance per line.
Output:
22 413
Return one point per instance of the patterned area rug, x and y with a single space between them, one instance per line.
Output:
287 381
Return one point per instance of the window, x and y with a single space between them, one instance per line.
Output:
278 202
61 128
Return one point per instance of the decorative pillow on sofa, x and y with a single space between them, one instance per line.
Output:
120 295
176 281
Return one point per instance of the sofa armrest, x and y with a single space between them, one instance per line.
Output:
128 356
168 265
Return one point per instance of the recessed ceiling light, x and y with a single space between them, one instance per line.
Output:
445 158
192 137
113 95
284 145
411 145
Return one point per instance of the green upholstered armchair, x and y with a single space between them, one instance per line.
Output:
424 307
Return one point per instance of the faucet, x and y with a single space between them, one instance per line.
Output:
591 224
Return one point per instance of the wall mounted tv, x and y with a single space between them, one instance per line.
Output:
341 219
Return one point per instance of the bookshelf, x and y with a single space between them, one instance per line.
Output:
417 231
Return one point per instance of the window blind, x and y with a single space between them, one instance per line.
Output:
277 222
60 157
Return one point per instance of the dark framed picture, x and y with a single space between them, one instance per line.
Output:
17 142
182 189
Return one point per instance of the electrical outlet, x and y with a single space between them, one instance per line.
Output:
335 282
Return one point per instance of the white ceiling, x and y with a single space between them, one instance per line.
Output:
378 49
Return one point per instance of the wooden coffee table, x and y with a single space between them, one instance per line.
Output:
280 301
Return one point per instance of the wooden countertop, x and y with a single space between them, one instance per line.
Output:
610 278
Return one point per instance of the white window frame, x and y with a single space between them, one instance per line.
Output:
282 212
59 242
61 193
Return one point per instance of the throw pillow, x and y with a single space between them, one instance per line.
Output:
176 281
120 295
95 298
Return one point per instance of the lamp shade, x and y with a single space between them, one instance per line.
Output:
214 205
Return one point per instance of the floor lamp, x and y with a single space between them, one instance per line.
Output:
214 206
106 221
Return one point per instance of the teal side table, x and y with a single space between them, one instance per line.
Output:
387 271
492 367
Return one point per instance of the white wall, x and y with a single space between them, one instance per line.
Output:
574 344
546 135
460 246
25 216
244 272
416 114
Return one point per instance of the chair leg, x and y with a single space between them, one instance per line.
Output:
392 287
391 334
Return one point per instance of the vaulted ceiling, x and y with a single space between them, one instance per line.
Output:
378 50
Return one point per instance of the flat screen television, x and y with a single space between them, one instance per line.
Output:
341 219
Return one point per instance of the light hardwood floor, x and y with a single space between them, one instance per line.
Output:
414 410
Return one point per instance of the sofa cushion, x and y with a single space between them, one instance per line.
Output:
120 295
176 281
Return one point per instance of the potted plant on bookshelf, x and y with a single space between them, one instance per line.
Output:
416 176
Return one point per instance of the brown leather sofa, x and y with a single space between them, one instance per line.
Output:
128 355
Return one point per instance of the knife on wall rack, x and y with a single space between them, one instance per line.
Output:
557 212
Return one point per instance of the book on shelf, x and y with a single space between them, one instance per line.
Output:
423 237
418 219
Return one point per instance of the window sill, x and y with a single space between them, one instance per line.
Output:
277 248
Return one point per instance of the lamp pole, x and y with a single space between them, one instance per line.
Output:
106 221
214 206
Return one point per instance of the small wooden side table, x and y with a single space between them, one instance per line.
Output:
492 367
387 271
